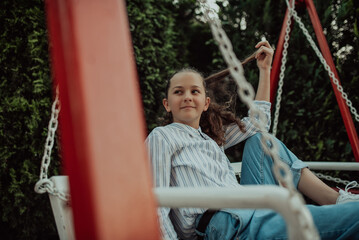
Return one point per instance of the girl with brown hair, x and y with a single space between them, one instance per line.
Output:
189 152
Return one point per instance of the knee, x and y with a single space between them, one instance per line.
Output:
255 139
253 145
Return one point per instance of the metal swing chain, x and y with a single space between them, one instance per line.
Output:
246 93
281 75
333 179
280 86
323 61
44 184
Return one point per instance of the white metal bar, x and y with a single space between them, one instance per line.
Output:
237 167
272 197
62 211
341 166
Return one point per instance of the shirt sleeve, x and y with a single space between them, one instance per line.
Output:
160 157
234 135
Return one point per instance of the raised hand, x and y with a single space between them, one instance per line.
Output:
264 55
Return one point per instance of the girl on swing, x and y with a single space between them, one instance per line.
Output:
189 152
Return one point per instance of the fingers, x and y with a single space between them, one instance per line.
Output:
264 48
264 51
263 43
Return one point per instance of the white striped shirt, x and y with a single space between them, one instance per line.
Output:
182 156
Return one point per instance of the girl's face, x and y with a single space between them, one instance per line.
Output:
186 98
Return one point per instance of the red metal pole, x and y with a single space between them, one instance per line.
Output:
101 120
348 121
277 61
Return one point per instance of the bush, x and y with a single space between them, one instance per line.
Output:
25 101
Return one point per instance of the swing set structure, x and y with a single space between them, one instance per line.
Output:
104 156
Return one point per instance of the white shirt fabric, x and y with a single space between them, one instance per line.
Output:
182 156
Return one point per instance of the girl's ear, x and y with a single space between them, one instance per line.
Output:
206 105
165 104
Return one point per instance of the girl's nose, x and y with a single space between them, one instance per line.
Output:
188 97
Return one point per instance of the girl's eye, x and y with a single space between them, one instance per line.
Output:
177 92
195 91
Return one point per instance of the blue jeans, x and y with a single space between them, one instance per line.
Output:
332 221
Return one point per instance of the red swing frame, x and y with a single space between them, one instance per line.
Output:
95 70
346 116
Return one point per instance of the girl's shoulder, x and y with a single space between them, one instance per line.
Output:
163 131
165 136
174 131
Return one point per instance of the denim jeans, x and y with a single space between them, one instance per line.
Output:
332 221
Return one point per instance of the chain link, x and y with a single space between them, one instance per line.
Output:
323 61
44 184
332 179
281 75
246 93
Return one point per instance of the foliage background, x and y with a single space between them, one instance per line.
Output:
167 35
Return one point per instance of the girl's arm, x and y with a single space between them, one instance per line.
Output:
264 58
160 158
234 135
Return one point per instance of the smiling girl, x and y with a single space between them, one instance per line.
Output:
186 98
189 152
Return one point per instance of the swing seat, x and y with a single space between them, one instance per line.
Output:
272 197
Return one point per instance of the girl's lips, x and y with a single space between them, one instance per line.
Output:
187 107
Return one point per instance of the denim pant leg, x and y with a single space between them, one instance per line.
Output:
257 166
222 226
332 222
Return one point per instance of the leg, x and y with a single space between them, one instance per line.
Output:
257 166
318 190
257 169
223 225
332 222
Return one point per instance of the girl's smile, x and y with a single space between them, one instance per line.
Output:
187 107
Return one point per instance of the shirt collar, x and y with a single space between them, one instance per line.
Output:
190 129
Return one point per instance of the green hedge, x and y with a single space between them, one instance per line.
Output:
25 99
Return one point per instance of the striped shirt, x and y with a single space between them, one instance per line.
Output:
182 156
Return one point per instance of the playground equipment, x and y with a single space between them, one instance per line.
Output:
103 149
326 59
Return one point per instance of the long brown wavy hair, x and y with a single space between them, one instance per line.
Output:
214 121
